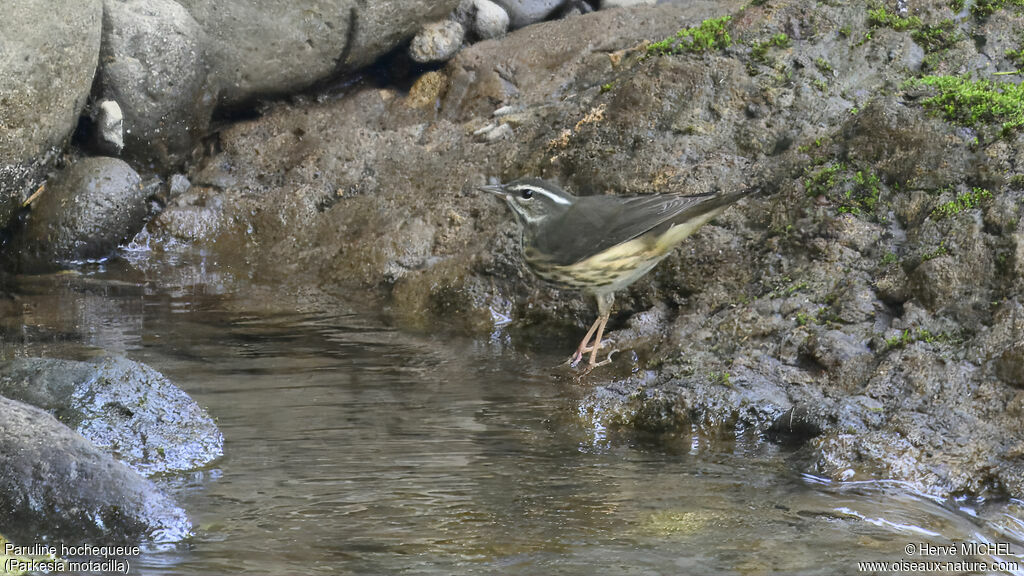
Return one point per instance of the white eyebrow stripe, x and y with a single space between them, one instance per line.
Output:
554 197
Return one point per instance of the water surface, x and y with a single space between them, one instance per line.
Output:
352 448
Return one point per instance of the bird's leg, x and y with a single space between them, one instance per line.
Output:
603 319
583 348
604 309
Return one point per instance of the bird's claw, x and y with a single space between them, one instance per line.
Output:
607 360
575 359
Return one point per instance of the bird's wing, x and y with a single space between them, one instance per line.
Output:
596 223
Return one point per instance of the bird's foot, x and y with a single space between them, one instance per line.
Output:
607 360
576 358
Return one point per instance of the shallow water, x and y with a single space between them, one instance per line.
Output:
351 448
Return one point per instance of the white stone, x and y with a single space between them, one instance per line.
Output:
437 41
110 122
490 20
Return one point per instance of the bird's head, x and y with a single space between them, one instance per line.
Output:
533 200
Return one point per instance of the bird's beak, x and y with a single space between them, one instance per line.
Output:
495 188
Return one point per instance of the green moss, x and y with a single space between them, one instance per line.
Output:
880 18
759 49
720 378
712 34
941 250
974 102
965 201
607 87
819 182
889 258
985 8
1017 181
864 193
1017 56
920 335
803 319
938 37
823 66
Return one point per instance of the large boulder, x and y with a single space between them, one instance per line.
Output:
125 408
48 55
86 210
264 47
152 64
55 485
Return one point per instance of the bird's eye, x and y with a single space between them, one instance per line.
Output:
526 194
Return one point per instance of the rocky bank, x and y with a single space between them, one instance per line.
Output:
865 310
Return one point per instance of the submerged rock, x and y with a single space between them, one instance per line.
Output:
125 408
56 486
86 210
49 52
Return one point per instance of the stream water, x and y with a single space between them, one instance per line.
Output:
352 448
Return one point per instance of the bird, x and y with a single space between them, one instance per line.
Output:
600 244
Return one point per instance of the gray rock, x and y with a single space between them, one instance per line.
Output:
48 54
178 185
86 210
110 126
1010 365
626 3
489 20
55 485
153 64
525 12
437 41
125 408
265 47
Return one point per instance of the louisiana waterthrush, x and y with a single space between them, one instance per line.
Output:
601 244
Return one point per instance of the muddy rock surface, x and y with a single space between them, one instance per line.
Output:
865 309
125 408
55 485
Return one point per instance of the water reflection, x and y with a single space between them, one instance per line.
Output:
354 449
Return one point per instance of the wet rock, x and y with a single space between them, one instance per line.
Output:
299 43
844 355
437 41
86 210
178 185
525 12
57 486
123 407
153 65
896 139
50 54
